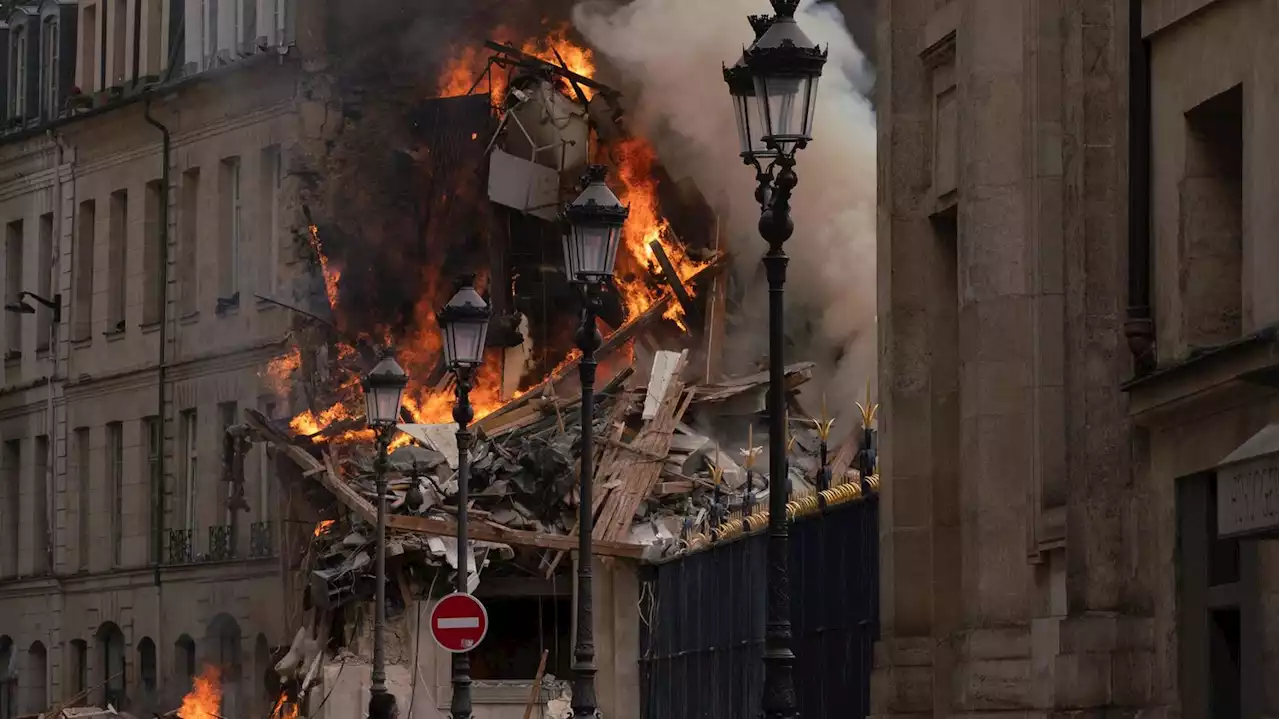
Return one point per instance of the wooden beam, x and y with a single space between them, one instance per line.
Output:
492 532
673 281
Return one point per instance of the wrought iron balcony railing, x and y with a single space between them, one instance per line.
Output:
260 540
180 548
222 542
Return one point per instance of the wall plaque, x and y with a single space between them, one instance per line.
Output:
1247 499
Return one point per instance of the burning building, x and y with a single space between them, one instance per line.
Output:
216 213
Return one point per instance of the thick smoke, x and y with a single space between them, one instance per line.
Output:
668 55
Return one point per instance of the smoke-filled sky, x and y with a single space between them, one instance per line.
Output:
668 54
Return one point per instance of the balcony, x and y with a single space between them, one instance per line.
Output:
260 540
180 548
222 543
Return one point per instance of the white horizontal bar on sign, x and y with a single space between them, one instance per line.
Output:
458 623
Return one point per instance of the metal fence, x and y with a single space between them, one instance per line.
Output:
702 622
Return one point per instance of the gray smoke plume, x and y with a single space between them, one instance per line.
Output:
668 54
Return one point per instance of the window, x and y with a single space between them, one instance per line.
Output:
18 82
227 414
233 228
209 16
88 46
177 35
184 661
519 642
117 250
41 489
1211 222
115 470
13 287
110 652
155 486
8 679
49 68
188 281
37 671
78 669
190 467
271 179
277 21
120 18
10 485
152 254
83 470
45 251
147 669
266 469
83 259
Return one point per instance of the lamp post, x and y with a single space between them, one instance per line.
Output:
774 90
595 222
463 322
383 393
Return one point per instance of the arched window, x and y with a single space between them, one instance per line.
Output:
37 671
110 651
78 670
146 674
8 679
184 663
268 679
222 647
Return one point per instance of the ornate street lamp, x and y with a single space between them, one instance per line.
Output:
383 393
595 222
464 322
775 120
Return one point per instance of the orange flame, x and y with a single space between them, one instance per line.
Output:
205 699
646 225
422 348
283 709
281 369
463 72
322 526
331 274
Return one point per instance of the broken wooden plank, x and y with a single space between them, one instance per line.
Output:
796 375
673 279
664 366
638 478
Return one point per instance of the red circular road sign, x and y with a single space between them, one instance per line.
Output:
459 622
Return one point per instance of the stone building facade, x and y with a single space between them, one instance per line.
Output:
1077 313
122 571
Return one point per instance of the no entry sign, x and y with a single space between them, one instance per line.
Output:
458 622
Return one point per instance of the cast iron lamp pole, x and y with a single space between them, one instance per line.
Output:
774 89
464 322
383 393
595 222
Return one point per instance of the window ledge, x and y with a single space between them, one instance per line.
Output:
149 327
12 357
82 342
189 318
113 335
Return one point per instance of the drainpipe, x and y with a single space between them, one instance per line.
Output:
1139 329
157 493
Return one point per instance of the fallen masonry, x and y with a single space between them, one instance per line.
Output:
660 488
